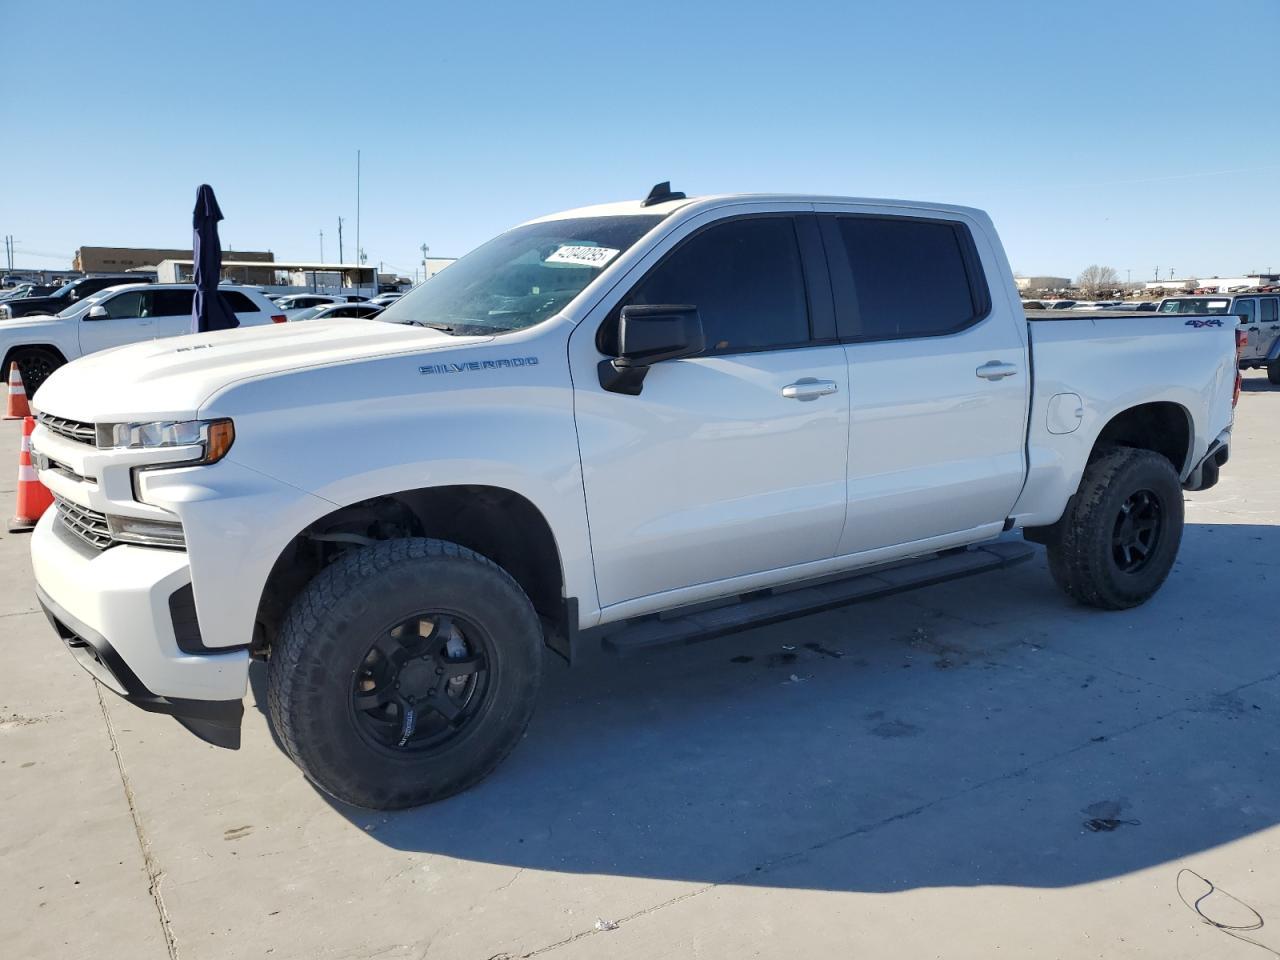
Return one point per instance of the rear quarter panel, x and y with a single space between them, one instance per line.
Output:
1114 364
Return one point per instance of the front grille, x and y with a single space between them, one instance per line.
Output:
89 525
76 430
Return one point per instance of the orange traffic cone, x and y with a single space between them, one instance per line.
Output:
34 497
18 407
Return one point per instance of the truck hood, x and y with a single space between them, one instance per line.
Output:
171 379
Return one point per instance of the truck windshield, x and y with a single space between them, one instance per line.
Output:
520 278
1201 305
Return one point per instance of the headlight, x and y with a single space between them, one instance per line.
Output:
5 312
152 533
213 436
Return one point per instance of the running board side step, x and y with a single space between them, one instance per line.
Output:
782 603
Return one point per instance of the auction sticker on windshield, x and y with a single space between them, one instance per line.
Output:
582 255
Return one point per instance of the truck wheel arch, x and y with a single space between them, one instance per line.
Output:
495 522
47 347
1162 426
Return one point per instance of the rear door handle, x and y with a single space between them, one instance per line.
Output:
807 388
995 370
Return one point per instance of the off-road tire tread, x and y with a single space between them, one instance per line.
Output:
337 586
1075 560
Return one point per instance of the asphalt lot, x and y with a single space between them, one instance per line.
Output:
912 780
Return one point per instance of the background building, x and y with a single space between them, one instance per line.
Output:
117 259
433 265
1034 284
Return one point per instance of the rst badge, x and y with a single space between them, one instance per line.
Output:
470 365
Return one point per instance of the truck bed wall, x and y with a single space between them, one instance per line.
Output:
1113 364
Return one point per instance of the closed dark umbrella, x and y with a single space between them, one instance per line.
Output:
209 311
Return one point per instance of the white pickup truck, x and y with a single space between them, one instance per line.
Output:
638 424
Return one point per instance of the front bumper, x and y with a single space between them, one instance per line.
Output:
112 610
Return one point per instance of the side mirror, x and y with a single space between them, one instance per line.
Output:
648 335
97 313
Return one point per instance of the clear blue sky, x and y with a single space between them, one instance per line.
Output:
1129 133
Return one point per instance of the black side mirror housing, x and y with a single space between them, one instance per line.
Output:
649 334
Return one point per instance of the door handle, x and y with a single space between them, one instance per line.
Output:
996 370
807 388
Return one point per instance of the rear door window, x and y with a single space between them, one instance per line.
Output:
1270 314
171 303
905 277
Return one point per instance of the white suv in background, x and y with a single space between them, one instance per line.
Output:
113 317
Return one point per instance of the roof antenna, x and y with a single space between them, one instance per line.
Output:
661 193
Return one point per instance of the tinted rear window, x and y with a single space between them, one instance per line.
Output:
238 302
911 278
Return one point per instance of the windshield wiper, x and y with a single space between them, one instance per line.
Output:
443 327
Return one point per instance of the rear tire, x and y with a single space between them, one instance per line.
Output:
1273 372
35 364
328 665
1120 536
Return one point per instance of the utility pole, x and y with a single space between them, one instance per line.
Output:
359 249
425 250
340 258
322 246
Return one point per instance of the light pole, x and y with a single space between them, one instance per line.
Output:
322 246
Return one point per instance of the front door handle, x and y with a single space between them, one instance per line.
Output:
995 370
807 388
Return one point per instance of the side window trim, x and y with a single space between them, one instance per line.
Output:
843 286
809 265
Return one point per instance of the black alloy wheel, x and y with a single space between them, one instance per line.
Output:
422 682
1137 531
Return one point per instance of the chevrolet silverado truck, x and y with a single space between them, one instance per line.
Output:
633 424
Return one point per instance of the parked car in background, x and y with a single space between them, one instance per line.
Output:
112 318
1060 305
24 290
66 295
1033 305
1137 306
328 310
629 424
302 301
386 299
1258 315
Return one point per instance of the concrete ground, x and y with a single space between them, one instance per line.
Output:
913 779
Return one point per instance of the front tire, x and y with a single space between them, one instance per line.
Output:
404 673
1121 533
35 364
